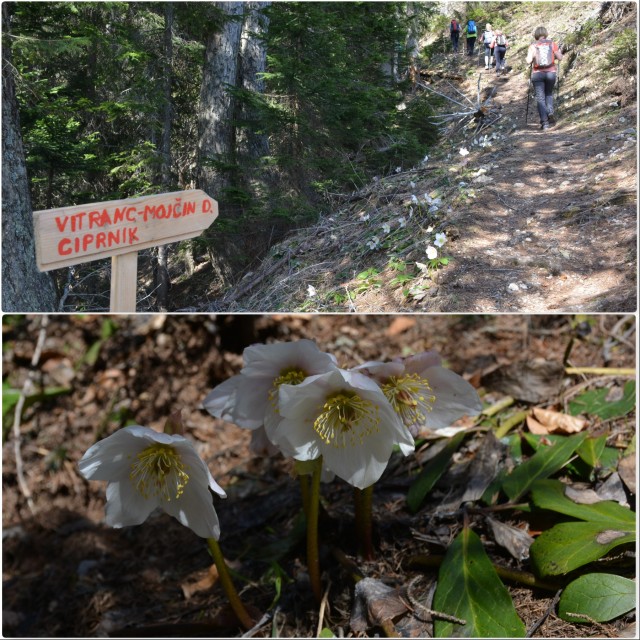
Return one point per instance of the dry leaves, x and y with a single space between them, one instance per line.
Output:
542 422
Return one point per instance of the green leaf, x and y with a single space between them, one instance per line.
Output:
469 588
549 494
544 462
591 450
600 596
432 472
570 545
327 633
595 402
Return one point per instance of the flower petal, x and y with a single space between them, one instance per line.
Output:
261 445
422 361
240 400
297 439
125 506
196 469
380 371
269 360
194 509
455 397
109 458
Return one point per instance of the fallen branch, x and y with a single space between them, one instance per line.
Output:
238 293
27 389
600 371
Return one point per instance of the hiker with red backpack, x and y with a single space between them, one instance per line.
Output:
543 53
454 30
500 45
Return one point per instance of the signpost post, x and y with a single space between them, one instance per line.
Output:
119 229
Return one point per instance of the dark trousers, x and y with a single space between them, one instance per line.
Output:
454 40
500 53
471 43
543 83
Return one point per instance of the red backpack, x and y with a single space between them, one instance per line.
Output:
455 26
543 54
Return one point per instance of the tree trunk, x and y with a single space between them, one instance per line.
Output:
253 63
24 288
412 46
215 123
163 280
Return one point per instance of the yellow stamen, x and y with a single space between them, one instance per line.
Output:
411 397
159 471
346 419
292 375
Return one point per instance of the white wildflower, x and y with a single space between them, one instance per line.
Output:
146 470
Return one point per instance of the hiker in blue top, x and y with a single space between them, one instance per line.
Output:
471 33
454 30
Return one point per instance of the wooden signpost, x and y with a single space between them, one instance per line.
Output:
119 229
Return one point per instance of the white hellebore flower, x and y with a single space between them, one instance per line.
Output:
146 470
311 291
432 253
386 227
250 399
374 243
402 221
464 151
423 393
344 417
441 238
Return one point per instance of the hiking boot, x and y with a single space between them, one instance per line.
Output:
544 126
552 118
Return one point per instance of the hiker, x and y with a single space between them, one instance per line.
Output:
472 33
500 45
543 53
487 40
454 29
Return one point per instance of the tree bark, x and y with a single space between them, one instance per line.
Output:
253 63
163 280
216 142
24 288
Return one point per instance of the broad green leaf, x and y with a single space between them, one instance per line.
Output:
549 494
591 450
600 596
543 463
570 545
327 633
595 402
432 472
469 588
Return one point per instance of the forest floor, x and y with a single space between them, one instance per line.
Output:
536 221
66 574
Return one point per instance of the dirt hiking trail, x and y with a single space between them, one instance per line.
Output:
534 221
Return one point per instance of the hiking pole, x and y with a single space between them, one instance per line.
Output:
526 117
557 87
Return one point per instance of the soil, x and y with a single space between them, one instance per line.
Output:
536 221
65 573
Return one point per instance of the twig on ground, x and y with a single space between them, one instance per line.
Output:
252 632
538 623
426 611
351 302
27 389
323 605
600 371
